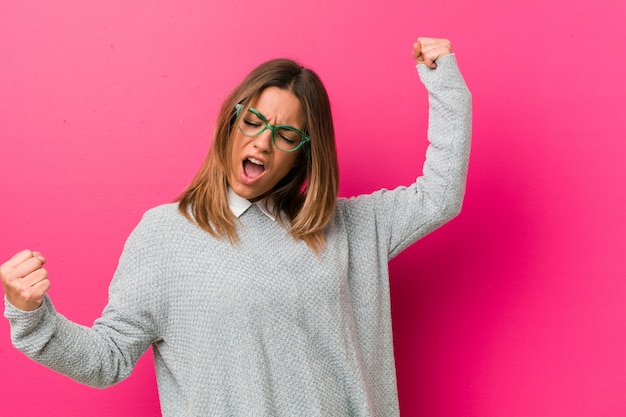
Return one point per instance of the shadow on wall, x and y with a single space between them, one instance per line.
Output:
451 290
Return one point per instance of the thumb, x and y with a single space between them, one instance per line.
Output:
417 52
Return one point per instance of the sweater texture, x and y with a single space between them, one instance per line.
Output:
265 327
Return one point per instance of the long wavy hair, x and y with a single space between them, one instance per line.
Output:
306 197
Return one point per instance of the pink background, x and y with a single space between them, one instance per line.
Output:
516 308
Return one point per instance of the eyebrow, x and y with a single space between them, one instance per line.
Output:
267 121
256 112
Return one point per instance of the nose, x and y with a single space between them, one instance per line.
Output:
263 142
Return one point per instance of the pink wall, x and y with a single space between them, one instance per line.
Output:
517 308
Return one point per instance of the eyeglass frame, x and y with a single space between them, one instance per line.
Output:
305 138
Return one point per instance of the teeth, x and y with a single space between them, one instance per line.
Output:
255 161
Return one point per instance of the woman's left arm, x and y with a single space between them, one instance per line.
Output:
436 197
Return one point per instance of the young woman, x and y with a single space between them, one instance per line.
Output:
259 291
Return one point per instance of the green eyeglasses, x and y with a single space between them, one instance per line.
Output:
285 138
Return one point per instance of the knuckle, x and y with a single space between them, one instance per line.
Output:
19 287
6 277
43 275
11 276
29 293
37 262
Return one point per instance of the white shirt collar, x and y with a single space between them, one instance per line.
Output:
238 205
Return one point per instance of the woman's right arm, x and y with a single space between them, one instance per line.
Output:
99 356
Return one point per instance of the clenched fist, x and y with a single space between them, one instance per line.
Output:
427 50
24 279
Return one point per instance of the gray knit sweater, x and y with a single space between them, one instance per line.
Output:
265 327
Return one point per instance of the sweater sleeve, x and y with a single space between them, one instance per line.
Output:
104 354
403 215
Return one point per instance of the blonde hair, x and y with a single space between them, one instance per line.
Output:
307 195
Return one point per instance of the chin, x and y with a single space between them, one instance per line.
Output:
249 195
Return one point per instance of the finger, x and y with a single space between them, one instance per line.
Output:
429 59
430 63
428 55
27 294
23 269
38 291
34 278
433 49
417 51
41 288
39 256
17 259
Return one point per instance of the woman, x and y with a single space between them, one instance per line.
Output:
260 292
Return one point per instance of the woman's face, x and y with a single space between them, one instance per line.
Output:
256 165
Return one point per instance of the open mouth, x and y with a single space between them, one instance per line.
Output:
253 168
